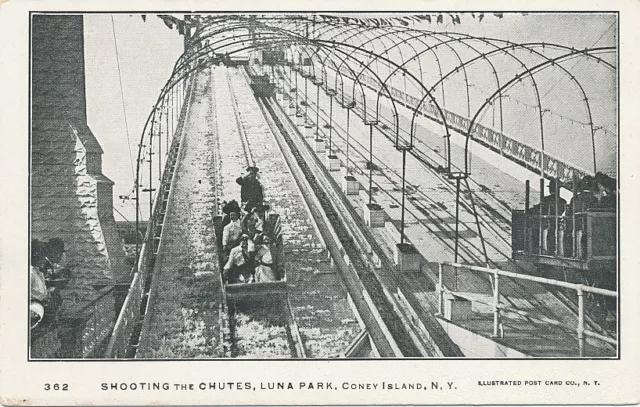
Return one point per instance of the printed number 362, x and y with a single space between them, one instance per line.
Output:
56 386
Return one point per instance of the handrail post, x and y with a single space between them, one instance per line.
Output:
540 216
440 291
580 328
496 302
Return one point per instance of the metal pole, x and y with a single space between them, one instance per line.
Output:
330 124
593 144
370 164
455 254
527 232
318 112
150 174
475 214
160 150
580 328
306 101
348 110
573 215
169 132
541 218
440 290
404 167
496 302
296 97
556 220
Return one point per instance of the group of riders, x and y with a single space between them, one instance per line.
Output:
48 274
553 214
247 234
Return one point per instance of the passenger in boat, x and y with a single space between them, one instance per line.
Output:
227 208
264 270
255 221
552 219
251 193
231 232
605 191
582 200
239 267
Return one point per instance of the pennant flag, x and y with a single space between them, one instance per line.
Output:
439 18
428 17
456 19
499 15
144 17
480 17
167 22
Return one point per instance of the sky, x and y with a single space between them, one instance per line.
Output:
146 54
148 50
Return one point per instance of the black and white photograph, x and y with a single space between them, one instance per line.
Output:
352 185
296 186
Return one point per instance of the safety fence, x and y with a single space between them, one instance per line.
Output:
451 288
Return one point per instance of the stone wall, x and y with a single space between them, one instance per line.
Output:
70 197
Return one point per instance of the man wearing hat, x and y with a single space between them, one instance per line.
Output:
251 189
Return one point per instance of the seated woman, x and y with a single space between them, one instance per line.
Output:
256 221
227 208
265 268
231 232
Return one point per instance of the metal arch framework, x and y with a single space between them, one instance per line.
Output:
335 45
531 47
529 72
357 52
364 36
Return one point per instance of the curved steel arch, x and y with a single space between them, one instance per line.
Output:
585 99
389 94
529 72
530 47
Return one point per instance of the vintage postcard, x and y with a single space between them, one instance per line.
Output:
363 203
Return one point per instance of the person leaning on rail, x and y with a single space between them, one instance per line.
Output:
251 193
